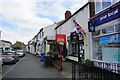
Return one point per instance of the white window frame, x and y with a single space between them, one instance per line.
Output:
102 6
105 26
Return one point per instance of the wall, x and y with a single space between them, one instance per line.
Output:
48 32
6 45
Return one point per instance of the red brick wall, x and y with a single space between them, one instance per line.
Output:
67 14
92 8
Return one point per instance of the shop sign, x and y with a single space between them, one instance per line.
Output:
110 15
91 27
114 38
60 38
74 37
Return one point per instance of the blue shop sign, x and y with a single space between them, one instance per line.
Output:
114 38
113 13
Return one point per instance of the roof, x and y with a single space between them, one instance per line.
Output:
39 31
72 15
6 41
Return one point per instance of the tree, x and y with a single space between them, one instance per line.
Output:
64 52
17 47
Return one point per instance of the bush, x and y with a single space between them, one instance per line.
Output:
56 53
50 52
53 53
87 62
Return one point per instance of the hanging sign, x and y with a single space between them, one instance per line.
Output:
91 26
74 37
60 38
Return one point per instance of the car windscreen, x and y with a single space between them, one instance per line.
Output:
7 53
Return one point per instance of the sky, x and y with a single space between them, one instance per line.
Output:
21 20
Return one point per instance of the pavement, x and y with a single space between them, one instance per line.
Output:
32 67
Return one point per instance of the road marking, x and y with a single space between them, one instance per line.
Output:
12 67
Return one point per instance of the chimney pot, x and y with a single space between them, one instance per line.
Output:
67 14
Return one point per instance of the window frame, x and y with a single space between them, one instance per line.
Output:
102 5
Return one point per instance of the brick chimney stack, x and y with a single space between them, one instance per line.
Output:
67 14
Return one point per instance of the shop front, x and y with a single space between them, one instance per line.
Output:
105 41
76 47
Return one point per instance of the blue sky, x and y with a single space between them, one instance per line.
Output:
21 20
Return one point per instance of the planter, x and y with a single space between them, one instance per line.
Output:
47 60
54 57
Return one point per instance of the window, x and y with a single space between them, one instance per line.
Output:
96 33
98 6
117 28
74 50
115 1
108 30
106 3
97 50
102 4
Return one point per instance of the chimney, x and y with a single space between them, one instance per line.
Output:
67 14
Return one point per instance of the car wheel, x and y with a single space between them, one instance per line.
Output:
18 59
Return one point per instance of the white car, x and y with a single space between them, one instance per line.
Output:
20 53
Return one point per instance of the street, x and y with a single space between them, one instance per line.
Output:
30 66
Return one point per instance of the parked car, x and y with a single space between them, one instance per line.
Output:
10 56
1 62
20 53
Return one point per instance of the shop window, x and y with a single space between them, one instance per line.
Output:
107 51
70 49
96 33
118 28
97 49
108 30
74 50
81 50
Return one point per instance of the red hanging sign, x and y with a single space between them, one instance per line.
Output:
60 38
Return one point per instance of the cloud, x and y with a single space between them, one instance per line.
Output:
24 14
13 35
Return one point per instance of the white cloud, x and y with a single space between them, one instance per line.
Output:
11 35
23 14
55 10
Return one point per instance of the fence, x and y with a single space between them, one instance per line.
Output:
100 70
